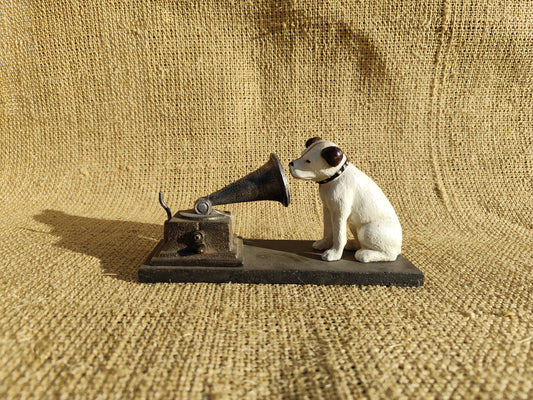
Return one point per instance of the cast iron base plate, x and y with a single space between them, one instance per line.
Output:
289 261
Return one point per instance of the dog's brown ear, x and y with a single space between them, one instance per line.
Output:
311 141
333 155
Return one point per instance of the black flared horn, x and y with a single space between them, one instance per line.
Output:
265 183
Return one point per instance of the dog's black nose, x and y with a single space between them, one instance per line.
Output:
291 164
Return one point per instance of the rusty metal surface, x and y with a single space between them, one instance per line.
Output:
191 239
204 236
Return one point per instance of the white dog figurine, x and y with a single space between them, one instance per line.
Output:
352 198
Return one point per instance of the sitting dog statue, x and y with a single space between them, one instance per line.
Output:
350 198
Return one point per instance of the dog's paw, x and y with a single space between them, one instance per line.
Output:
332 255
366 256
322 244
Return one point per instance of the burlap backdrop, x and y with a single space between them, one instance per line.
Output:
104 104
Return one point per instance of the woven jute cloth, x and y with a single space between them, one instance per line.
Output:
104 104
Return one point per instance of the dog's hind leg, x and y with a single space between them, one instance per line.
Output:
366 256
380 241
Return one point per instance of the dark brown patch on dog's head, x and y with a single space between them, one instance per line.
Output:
311 141
333 155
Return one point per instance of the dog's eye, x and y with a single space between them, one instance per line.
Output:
307 161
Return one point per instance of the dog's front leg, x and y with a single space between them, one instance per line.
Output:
327 240
338 227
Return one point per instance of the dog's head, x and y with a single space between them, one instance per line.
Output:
320 160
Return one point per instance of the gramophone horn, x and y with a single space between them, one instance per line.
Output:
265 183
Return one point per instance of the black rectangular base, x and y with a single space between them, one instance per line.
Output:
286 262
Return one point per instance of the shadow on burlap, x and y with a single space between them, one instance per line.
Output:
104 105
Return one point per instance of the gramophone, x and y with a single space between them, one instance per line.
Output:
200 245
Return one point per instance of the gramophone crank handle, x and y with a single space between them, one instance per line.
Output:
169 214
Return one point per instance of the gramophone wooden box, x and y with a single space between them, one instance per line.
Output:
200 245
